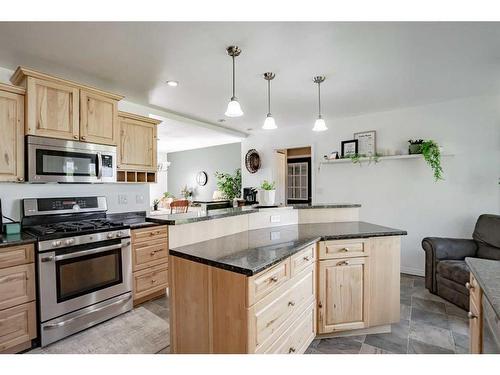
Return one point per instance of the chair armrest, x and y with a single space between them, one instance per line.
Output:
449 248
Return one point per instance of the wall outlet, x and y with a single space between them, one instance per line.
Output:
139 198
275 236
275 218
122 199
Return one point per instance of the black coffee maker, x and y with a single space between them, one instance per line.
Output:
250 195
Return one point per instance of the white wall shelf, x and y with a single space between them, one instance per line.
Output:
380 158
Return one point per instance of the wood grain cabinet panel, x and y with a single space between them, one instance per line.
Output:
342 249
52 109
98 118
17 326
150 280
12 135
150 254
17 285
138 143
302 260
266 282
16 255
343 299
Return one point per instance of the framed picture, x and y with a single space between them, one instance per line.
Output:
366 142
349 148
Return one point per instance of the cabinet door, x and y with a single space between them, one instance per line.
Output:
98 119
343 299
52 109
137 145
12 136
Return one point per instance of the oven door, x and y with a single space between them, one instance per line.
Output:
74 278
55 160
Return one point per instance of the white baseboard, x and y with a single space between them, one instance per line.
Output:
413 271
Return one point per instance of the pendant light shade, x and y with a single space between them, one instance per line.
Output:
319 125
233 107
269 123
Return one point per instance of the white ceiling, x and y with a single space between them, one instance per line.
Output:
369 66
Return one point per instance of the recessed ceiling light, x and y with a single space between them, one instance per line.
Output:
249 129
172 83
222 120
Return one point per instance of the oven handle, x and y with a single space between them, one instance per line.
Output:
84 252
99 165
64 322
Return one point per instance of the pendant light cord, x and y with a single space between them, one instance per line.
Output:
233 76
319 99
268 96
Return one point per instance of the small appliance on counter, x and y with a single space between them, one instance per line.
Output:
250 195
214 204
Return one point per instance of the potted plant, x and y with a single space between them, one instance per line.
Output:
186 192
267 193
156 202
229 185
432 155
415 146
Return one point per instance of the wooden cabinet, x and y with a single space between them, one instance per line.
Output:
343 298
149 262
60 108
17 298
52 109
98 118
12 133
475 316
137 146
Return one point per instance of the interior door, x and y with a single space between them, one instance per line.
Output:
279 176
342 297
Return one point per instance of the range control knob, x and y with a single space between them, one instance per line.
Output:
119 233
110 235
70 241
56 243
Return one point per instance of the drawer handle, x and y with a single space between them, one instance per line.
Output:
469 286
154 233
345 249
291 350
291 303
343 263
274 279
153 281
307 259
470 315
155 251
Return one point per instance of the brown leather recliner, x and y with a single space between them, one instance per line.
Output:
445 270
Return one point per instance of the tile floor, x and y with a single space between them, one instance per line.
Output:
429 325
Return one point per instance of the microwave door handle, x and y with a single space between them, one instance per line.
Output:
99 166
89 252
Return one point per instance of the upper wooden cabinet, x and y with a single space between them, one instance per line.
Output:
12 133
137 147
98 118
64 109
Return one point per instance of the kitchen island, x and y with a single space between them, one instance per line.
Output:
271 280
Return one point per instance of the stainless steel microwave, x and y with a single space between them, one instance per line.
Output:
59 160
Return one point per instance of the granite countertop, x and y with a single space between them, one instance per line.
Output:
195 216
133 219
328 205
16 239
253 251
487 274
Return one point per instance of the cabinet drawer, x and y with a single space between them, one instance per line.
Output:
150 280
149 234
149 254
302 260
343 249
300 334
267 317
262 284
17 325
16 255
17 285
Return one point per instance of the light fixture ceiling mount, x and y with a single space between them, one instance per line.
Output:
233 107
319 124
269 123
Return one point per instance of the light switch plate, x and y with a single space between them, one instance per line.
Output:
122 198
275 218
275 236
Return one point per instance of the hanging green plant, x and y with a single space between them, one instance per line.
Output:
432 155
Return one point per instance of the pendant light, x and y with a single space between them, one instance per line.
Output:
269 123
233 107
319 125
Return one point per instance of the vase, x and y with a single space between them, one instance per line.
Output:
415 148
267 197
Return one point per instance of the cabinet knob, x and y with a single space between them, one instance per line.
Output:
307 259
291 303
344 263
469 286
345 250
20 179
291 350
75 137
470 315
274 279
153 281
83 137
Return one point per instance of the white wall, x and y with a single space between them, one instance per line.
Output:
185 165
157 189
402 193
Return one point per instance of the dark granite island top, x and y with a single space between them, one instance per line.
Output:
195 216
487 274
253 251
16 239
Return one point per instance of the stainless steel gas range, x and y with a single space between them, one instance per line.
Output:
83 262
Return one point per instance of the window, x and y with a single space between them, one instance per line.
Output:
298 181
